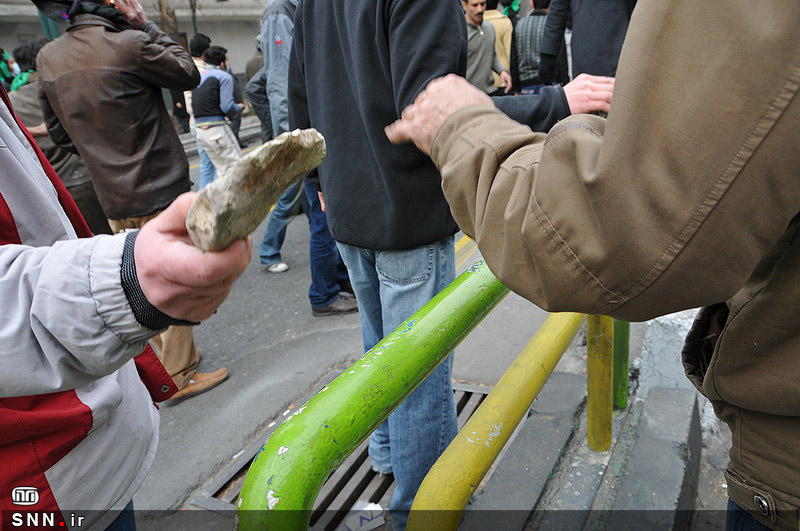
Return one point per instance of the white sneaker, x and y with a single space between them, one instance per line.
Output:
278 267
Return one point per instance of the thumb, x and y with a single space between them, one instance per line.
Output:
398 132
173 218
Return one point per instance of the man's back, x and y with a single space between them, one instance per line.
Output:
359 64
117 120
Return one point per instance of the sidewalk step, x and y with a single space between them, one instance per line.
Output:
548 478
514 487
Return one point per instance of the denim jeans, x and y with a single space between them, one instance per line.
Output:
390 286
327 267
738 518
207 171
269 252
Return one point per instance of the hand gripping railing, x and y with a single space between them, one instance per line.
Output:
287 474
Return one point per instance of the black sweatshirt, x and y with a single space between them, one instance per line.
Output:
356 65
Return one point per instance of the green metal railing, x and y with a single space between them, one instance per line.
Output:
288 472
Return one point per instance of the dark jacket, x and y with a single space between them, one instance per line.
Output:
356 66
100 91
598 30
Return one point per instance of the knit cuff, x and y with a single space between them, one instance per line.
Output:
146 314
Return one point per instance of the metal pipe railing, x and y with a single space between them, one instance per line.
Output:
622 340
287 474
446 489
599 360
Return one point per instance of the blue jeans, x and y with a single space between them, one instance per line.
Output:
269 252
738 518
207 170
390 286
327 267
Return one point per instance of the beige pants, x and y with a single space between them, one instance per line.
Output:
221 147
175 346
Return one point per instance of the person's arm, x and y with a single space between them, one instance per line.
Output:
276 59
541 111
226 99
162 61
552 39
439 46
79 309
500 70
668 205
55 128
554 27
38 130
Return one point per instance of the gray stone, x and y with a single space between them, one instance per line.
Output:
657 488
232 207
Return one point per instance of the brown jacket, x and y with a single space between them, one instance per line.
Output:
687 196
101 93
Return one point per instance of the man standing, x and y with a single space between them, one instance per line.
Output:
119 125
482 57
213 105
77 379
68 166
328 273
356 66
197 48
701 203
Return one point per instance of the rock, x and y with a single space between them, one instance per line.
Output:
230 208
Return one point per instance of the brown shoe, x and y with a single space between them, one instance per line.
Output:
341 304
199 383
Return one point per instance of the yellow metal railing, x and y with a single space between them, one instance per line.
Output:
446 489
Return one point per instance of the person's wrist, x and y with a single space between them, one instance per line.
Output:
145 313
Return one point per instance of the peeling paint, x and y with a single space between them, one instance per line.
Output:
269 481
470 440
324 389
240 502
272 501
351 372
366 365
282 450
495 433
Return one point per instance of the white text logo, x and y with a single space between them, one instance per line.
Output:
25 496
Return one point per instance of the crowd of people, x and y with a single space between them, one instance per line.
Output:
450 115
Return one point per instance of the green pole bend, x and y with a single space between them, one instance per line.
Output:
292 465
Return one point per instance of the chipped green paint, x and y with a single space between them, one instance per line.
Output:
285 477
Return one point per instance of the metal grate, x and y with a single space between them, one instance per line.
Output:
354 480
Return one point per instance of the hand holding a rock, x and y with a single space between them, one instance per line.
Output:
178 278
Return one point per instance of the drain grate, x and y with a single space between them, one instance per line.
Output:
354 480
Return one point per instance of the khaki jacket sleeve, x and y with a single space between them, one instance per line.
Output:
672 202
